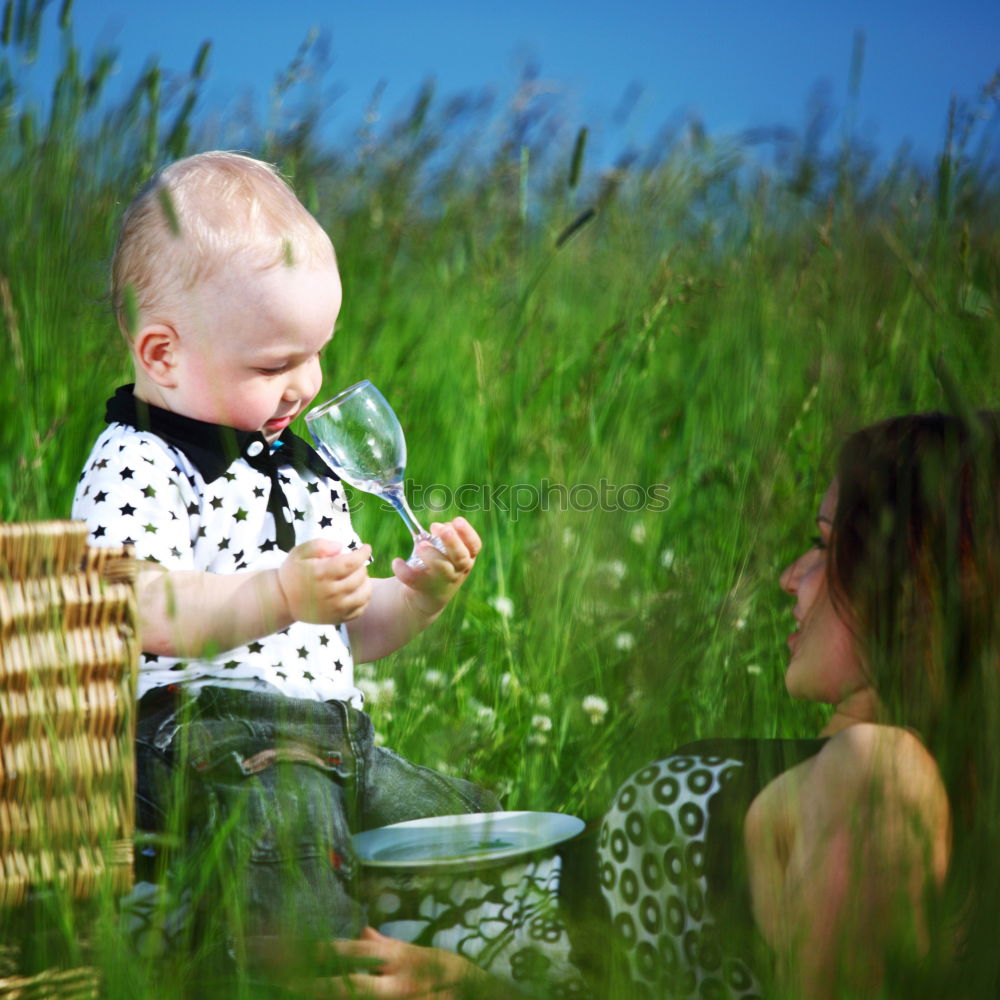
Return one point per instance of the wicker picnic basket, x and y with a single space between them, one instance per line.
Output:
68 652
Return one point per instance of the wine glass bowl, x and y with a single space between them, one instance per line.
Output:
361 439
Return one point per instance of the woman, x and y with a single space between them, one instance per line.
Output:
819 864
822 868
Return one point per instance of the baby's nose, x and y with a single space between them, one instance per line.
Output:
302 385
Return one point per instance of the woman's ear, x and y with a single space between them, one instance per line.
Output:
155 349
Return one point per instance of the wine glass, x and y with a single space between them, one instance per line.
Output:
360 437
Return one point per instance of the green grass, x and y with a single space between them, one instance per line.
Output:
715 327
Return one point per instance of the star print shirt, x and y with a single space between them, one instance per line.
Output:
191 495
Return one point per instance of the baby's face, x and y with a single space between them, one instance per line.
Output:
248 348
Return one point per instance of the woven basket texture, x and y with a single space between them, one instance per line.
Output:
68 656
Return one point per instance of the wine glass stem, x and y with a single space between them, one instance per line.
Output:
398 499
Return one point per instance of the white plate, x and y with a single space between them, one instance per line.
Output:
463 841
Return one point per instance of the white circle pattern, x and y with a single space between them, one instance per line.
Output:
651 859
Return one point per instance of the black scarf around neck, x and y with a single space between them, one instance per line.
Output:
212 449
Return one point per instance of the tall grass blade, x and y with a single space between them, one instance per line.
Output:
586 216
576 163
201 61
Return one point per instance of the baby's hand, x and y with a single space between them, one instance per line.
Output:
442 574
323 584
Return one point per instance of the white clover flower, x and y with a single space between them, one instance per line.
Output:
544 701
754 669
638 533
502 604
667 558
616 569
434 678
379 739
569 538
366 670
740 624
369 687
509 684
595 707
542 723
625 641
486 715
537 739
377 692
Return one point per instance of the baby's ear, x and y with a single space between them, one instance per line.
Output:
155 350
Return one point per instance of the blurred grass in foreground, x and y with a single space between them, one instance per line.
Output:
694 320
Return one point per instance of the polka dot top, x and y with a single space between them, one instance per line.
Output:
673 869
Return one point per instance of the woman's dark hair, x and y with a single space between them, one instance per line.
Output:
914 567
915 563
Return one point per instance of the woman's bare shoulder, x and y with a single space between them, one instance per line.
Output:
841 851
857 760
876 782
889 761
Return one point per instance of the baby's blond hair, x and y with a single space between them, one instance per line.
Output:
202 213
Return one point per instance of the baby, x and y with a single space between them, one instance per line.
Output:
254 596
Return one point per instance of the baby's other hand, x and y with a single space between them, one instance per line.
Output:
442 573
324 584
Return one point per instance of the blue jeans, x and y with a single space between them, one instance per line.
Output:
264 792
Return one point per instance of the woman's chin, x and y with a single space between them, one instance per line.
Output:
800 685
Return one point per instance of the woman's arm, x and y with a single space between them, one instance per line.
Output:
843 852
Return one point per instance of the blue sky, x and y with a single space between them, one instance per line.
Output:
734 64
